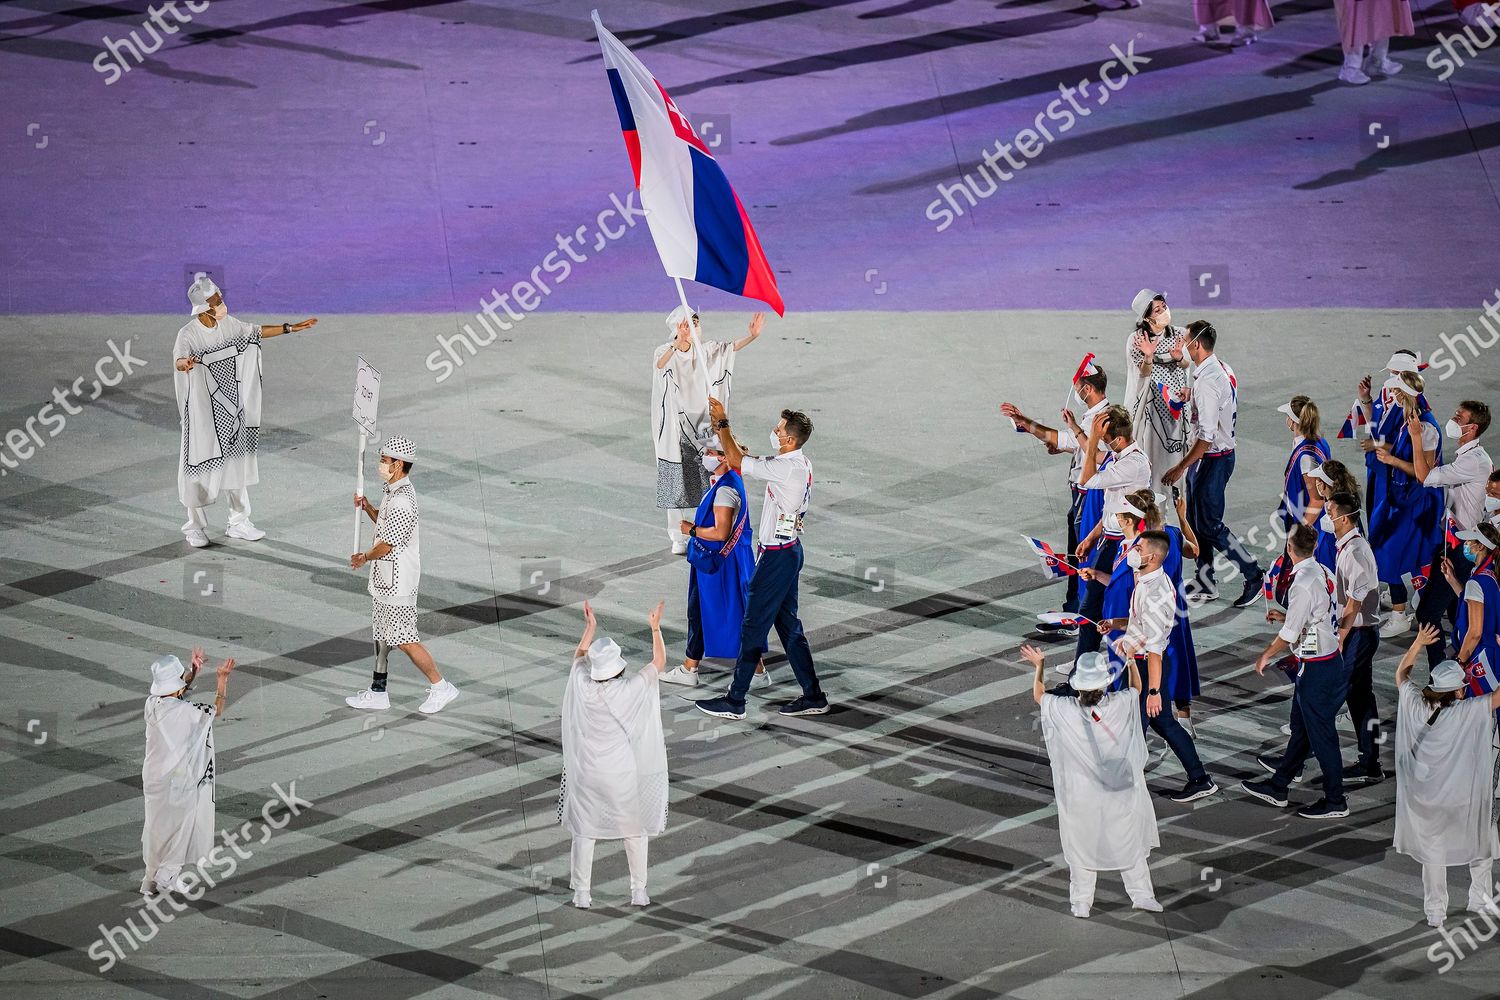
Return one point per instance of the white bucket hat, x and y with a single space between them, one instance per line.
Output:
1091 673
1447 676
1143 300
200 291
399 447
604 659
167 675
681 313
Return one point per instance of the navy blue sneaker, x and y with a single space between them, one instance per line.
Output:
720 708
1266 792
1194 790
806 706
1252 590
1322 809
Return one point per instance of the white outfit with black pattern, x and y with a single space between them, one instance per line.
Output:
218 404
1163 436
679 417
394 577
177 782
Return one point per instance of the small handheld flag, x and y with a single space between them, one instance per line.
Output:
1479 676
1175 406
1053 565
1355 421
1086 367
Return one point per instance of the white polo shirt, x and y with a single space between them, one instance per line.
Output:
1153 612
1130 471
788 480
1465 479
1310 605
1215 406
1067 441
1356 576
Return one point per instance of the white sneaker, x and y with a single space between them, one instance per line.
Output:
1079 910
245 530
582 900
1354 75
761 680
437 696
1286 729
1436 919
1396 623
679 548
1209 35
1385 67
375 701
196 537
638 897
1245 36
680 675
1149 905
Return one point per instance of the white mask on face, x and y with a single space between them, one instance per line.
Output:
1133 558
775 441
1326 523
388 471
1453 429
710 462
220 310
1492 504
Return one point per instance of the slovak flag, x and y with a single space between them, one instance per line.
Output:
1052 564
1479 676
1174 405
1086 368
700 228
1353 422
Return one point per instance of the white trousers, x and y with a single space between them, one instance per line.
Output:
1081 882
239 511
675 517
583 864
1435 887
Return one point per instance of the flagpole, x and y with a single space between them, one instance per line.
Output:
682 297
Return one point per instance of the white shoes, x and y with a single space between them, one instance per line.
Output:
1244 36
1286 729
1079 910
1354 75
1149 905
680 675
196 537
375 701
245 530
1436 919
760 680
438 695
582 900
638 897
1397 623
1381 67
1210 35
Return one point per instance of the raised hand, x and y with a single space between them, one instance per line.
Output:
654 618
197 658
1032 655
715 409
225 669
1426 636
305 324
757 322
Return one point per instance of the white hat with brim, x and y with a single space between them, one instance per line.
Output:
200 291
1398 384
1321 476
1287 409
1475 535
1091 673
1143 300
676 316
1401 363
167 675
1447 676
400 448
605 660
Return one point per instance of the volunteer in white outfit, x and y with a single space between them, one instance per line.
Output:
1123 470
1098 757
614 780
1445 760
688 371
217 382
395 561
177 776
1322 686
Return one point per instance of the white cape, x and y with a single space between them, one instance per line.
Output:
1444 797
680 391
177 779
614 782
218 404
1104 813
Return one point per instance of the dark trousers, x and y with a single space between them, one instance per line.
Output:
1089 638
1438 599
1075 511
773 601
695 620
1359 653
1322 688
1207 482
1168 728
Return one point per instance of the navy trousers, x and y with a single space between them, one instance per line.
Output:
1089 638
1438 599
1359 651
773 601
1168 728
1075 511
695 620
1207 482
1322 688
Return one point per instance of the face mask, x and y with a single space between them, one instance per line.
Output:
220 311
775 441
1133 559
1474 552
387 471
1492 504
1453 429
710 462
1326 523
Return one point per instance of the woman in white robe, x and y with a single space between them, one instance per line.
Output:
1098 752
1154 358
614 780
177 775
687 371
1445 759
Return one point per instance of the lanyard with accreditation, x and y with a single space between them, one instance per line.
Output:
789 526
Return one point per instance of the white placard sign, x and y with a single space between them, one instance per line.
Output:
366 396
